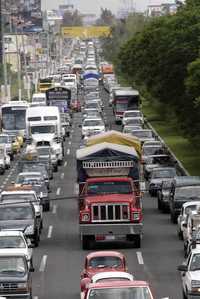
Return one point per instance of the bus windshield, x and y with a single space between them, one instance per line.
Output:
13 118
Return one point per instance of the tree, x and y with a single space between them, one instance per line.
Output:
72 18
106 18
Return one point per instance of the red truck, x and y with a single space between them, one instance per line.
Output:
110 199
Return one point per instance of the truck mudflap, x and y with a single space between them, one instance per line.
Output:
109 228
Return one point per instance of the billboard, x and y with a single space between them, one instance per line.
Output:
86 32
26 15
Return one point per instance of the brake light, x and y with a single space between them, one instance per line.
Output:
85 216
136 215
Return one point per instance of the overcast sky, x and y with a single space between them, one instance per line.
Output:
93 6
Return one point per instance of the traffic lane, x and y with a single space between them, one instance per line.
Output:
161 250
62 271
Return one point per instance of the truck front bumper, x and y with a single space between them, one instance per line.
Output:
111 229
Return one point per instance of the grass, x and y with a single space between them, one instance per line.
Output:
182 148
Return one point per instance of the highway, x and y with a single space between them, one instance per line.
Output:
59 258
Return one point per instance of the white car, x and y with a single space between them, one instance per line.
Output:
16 243
92 126
129 129
143 135
186 208
132 114
190 275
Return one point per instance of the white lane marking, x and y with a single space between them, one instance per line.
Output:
6 179
50 232
140 258
62 175
9 175
58 191
76 189
72 131
54 210
70 142
43 263
65 164
35 297
68 151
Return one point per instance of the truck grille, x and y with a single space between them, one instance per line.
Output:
110 213
7 287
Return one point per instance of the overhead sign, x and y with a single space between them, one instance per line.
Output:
86 32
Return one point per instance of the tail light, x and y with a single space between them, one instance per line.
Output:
85 216
136 215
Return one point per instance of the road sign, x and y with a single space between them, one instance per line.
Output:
86 32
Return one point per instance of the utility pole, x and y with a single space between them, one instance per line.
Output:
5 73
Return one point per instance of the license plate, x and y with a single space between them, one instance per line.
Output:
110 238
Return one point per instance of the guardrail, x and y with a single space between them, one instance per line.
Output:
179 166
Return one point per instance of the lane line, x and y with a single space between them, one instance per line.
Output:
68 151
43 263
62 175
140 258
54 210
70 142
65 164
58 191
50 231
72 131
76 189
35 297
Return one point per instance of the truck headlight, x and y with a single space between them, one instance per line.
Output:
29 230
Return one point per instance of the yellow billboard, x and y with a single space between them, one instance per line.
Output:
86 32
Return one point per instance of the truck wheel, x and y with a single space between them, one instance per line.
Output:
85 243
55 168
11 157
159 205
36 239
137 241
47 206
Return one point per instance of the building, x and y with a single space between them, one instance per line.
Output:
157 10
1 39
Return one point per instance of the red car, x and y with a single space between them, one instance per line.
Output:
101 261
119 289
76 106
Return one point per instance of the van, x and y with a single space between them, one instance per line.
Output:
39 99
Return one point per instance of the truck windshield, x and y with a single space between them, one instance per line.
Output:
42 129
13 118
10 266
121 106
98 188
120 293
17 197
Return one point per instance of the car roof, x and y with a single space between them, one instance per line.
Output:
105 253
11 233
119 283
191 203
30 173
112 274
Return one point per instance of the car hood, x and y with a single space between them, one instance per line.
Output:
195 275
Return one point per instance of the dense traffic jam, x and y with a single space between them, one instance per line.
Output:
115 168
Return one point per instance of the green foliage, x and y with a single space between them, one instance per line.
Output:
106 18
72 18
163 59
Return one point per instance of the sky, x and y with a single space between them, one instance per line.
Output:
93 6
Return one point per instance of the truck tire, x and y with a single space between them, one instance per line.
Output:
36 239
55 168
137 241
85 243
159 205
46 207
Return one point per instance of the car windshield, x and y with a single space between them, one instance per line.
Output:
112 187
12 266
105 262
151 150
12 242
42 129
4 139
17 197
93 123
165 173
29 180
195 262
120 293
15 213
142 133
190 208
188 192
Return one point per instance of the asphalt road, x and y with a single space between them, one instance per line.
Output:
59 258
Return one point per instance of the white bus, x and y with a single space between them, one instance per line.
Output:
13 116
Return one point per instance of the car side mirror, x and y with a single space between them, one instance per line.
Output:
32 269
182 268
84 284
